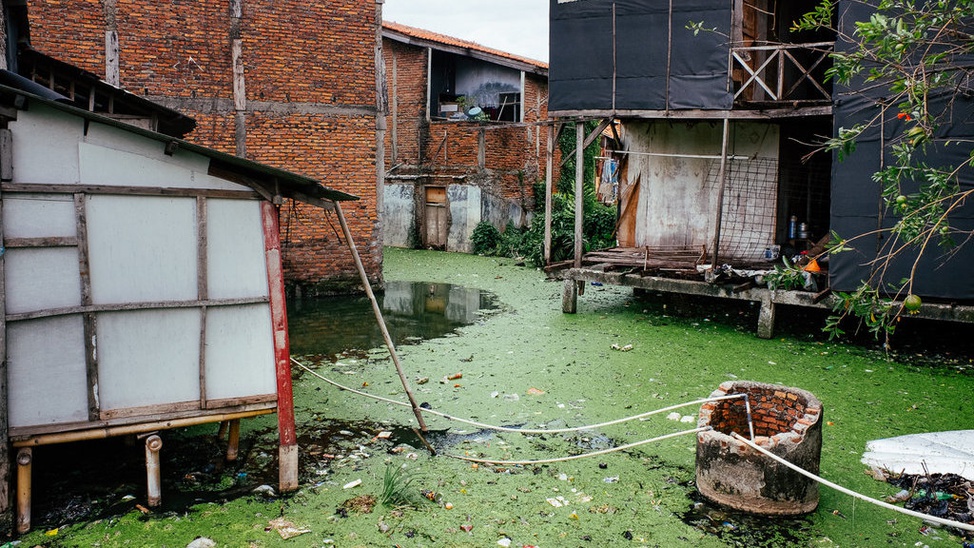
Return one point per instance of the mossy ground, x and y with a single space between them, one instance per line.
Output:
643 496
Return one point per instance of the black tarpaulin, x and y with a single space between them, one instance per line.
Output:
858 210
614 55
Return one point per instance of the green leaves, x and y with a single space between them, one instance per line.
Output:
918 51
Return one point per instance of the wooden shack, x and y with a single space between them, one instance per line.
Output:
142 283
715 109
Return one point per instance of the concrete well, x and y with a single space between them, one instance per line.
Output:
787 422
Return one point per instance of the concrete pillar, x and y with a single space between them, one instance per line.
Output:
766 319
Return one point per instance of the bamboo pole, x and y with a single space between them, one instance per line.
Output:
24 460
378 315
111 431
153 481
722 180
233 443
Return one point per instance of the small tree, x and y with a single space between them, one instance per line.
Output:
913 59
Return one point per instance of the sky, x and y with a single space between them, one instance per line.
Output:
515 26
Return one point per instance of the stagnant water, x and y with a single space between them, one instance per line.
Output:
413 311
94 479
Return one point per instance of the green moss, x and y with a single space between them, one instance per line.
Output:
584 381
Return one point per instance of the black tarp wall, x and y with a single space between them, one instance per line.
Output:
857 204
618 55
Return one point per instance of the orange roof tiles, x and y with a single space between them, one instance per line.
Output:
421 34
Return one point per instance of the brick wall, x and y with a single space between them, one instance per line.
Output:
310 98
506 158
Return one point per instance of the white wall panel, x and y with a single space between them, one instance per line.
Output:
236 266
142 249
122 140
38 216
46 371
148 357
239 352
110 166
41 278
45 146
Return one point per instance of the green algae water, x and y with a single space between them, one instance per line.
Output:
529 365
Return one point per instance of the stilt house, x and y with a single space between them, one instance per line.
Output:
142 283
718 107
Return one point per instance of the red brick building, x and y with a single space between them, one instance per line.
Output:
287 83
466 138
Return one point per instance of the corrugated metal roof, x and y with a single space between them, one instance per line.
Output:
391 28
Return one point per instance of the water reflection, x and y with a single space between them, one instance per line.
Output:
413 311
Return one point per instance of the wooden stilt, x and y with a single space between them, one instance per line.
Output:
222 432
579 189
153 444
233 444
24 459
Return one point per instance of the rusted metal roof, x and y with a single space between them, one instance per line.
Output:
420 37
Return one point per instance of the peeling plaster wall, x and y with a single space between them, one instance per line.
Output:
399 215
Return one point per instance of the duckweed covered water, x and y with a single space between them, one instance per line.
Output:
531 365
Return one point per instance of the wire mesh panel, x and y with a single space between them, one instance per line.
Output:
749 209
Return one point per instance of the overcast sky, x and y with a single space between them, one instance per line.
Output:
514 26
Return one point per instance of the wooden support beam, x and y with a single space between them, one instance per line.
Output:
579 190
288 449
548 184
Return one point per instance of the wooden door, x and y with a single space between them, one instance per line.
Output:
437 219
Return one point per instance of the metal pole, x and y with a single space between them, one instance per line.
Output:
378 315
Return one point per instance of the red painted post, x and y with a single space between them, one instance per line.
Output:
288 467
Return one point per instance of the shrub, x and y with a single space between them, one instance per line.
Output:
486 239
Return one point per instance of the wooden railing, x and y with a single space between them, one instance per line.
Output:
778 72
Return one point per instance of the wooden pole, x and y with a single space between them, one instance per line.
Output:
378 316
579 188
721 183
6 453
550 156
381 109
288 449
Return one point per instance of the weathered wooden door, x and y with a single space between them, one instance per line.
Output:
437 220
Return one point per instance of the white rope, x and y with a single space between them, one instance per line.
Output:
584 455
519 430
823 481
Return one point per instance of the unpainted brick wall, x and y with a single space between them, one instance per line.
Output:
514 155
310 98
